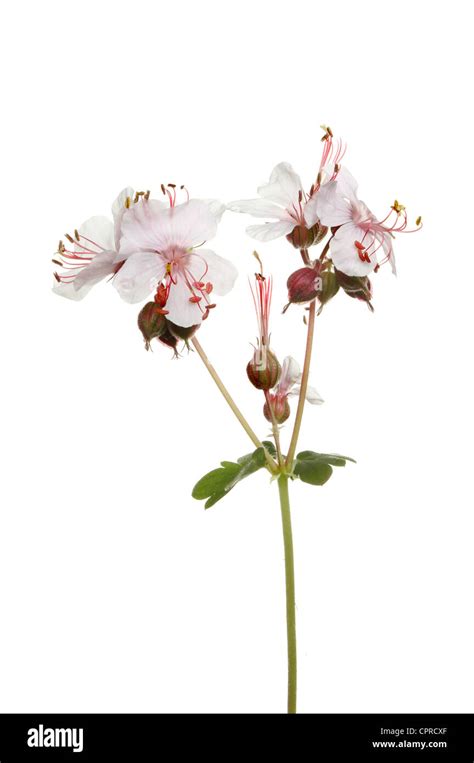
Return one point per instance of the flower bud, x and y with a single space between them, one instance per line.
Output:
302 237
182 332
358 287
304 284
264 369
151 322
280 408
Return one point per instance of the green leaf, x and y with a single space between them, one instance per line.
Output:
316 468
324 458
216 484
313 472
270 447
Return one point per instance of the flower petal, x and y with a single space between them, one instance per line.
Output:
67 290
148 226
217 207
221 273
290 375
270 231
118 210
331 206
310 211
141 227
313 397
259 208
101 266
100 231
347 184
344 252
180 310
284 186
139 276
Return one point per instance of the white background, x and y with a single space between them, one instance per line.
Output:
118 592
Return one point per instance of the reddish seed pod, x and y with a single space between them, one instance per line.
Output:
302 237
358 287
151 322
280 408
304 284
264 369
181 332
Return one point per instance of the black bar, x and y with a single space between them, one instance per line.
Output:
323 738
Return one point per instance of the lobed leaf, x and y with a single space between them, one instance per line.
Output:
217 483
316 468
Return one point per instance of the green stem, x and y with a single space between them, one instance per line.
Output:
303 387
275 430
236 411
290 589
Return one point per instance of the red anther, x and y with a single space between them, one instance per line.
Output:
363 254
161 295
195 299
208 288
205 314
57 277
161 311
199 285
209 307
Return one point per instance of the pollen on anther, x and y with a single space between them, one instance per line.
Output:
195 299
76 234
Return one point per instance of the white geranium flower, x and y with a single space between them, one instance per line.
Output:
93 255
360 236
162 250
282 199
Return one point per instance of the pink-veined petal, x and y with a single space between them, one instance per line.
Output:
310 212
345 254
67 290
180 310
283 187
144 226
347 184
100 231
259 208
101 266
332 207
270 231
221 272
147 226
139 276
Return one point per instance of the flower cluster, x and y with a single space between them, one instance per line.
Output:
156 250
151 248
